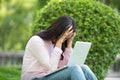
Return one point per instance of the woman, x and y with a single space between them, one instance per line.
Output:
49 50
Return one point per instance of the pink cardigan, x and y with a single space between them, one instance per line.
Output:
42 57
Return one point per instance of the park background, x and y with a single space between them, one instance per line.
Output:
16 21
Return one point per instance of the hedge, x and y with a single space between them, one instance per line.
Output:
96 23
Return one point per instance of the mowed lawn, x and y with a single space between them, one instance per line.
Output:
10 72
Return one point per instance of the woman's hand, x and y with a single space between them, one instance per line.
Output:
70 40
64 36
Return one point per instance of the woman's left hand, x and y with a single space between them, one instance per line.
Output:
70 40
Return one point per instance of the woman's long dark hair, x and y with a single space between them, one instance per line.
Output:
58 27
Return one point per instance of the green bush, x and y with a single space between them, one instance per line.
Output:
96 23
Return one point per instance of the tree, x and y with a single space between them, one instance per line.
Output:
115 4
16 18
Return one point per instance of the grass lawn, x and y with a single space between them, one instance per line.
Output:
10 72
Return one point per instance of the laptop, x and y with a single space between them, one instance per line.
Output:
78 55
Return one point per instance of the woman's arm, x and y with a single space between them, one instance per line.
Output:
68 50
66 56
40 52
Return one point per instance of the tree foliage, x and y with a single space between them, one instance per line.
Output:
16 17
115 4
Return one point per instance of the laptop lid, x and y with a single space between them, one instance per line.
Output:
79 53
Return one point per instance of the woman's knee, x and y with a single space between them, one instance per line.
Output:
88 72
76 68
82 68
85 67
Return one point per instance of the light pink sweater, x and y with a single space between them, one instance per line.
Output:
42 57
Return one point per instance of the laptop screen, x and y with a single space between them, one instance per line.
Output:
79 53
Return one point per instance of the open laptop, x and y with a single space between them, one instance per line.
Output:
78 55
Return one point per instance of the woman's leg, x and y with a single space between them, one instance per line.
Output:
77 73
88 73
70 73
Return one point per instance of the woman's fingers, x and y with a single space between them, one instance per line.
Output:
69 30
66 33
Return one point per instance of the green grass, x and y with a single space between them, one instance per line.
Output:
10 72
